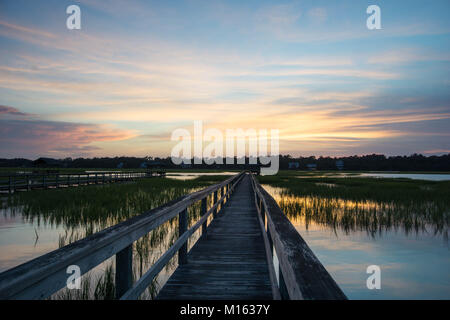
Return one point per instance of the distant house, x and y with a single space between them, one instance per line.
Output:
294 165
47 163
340 164
311 166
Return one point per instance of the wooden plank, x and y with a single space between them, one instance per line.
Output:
41 277
303 274
124 270
203 212
269 254
182 228
230 263
14 182
215 201
148 277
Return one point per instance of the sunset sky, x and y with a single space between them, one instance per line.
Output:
137 70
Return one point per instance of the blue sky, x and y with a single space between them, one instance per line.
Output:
137 70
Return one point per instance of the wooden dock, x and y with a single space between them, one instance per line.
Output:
229 262
29 181
233 259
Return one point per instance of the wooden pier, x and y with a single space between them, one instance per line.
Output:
233 259
229 261
24 182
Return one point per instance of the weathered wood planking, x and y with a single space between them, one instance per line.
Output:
302 276
26 182
43 276
232 260
230 263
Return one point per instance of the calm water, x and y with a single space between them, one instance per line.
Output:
195 175
415 263
28 234
415 176
414 259
21 241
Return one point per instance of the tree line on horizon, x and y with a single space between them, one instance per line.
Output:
373 162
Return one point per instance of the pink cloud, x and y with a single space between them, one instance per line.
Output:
11 111
33 138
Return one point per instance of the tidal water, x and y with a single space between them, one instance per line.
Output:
414 260
27 232
415 176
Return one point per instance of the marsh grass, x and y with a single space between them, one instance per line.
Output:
371 204
84 210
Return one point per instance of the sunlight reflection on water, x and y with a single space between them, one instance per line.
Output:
414 263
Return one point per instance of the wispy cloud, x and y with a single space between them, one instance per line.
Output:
40 137
11 27
308 69
11 111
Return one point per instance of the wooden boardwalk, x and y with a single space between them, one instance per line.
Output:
24 182
230 262
233 259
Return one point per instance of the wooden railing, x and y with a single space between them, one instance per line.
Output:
300 274
14 182
45 275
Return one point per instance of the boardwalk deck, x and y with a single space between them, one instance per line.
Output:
230 262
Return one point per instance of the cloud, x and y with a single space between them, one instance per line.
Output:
10 27
33 137
407 55
437 151
11 111
265 65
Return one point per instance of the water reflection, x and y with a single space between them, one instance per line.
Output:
195 175
409 243
374 217
37 222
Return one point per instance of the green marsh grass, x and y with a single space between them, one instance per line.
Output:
370 204
84 210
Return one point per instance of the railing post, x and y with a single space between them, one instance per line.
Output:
215 202
203 212
182 228
282 285
124 270
263 216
